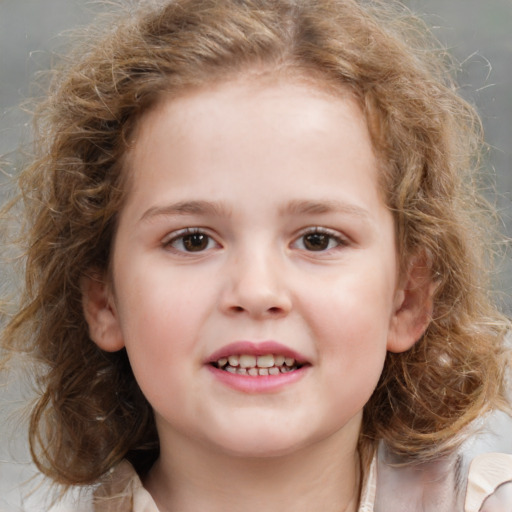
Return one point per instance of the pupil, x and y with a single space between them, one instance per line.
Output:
195 242
316 242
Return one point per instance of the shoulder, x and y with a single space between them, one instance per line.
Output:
433 486
489 486
475 478
75 500
121 490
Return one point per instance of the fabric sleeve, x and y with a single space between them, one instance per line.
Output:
490 483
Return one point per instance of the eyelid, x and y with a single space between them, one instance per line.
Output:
342 239
173 236
169 237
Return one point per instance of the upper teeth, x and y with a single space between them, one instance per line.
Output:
251 361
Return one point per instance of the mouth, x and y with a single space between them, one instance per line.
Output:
255 366
261 359
258 367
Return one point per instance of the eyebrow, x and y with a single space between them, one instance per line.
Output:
187 208
295 207
301 207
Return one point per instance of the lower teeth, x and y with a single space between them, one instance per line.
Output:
254 371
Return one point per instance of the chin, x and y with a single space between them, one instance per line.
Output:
261 443
261 450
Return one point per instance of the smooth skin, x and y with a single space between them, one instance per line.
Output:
254 213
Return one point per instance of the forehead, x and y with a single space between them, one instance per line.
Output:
289 140
268 97
259 80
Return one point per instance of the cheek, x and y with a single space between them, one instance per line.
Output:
351 308
353 347
351 326
160 326
156 306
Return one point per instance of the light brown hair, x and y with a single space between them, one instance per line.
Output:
91 413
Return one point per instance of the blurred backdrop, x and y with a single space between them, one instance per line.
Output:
478 34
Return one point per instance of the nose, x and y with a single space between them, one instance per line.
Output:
256 286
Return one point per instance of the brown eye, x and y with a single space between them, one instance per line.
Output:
195 242
320 239
189 240
316 241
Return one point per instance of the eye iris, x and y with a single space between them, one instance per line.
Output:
316 242
195 242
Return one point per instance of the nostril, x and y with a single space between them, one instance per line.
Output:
274 310
255 302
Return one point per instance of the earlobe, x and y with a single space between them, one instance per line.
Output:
413 306
100 313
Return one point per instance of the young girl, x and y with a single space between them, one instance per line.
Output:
254 276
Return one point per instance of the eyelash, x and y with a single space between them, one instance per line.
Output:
333 238
180 237
330 235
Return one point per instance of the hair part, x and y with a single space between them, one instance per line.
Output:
91 413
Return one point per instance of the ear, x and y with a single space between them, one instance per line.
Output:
413 305
100 313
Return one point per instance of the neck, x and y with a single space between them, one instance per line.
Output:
312 479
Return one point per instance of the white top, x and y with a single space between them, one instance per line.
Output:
489 489
490 476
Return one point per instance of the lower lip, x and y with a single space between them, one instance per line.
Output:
258 384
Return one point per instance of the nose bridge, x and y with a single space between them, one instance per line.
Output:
257 280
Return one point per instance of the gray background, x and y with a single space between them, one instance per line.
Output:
478 33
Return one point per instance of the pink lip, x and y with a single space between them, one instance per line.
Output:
261 383
256 349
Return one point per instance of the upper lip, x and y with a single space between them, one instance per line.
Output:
256 349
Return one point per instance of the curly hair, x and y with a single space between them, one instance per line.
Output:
91 412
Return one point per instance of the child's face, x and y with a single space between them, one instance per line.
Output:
254 225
